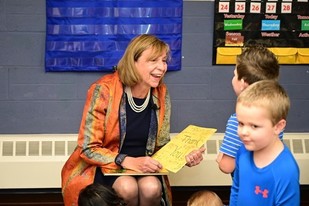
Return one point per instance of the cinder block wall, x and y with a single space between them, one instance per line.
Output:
32 101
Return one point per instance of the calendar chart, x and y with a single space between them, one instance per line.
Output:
280 25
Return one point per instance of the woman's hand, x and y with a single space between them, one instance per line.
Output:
195 157
142 164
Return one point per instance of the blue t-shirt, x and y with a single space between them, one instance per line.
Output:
231 141
273 185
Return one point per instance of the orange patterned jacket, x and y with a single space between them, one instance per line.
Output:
100 137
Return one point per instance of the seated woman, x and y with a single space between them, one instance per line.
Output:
126 119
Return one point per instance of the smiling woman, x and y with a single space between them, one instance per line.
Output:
126 119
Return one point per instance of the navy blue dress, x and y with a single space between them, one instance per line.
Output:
136 138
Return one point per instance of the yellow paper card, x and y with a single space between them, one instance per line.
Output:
172 155
122 172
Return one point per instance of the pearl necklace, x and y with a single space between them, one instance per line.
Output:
136 108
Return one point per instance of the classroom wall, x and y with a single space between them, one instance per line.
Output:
32 101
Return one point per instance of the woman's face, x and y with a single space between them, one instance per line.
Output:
150 69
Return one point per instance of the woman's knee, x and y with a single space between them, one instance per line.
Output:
126 187
150 187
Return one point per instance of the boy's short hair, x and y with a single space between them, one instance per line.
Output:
257 63
96 194
268 94
204 198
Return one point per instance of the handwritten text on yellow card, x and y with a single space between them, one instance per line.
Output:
172 155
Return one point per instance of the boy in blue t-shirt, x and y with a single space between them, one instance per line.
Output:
253 64
266 172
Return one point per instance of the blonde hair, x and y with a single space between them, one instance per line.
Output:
267 94
204 198
126 66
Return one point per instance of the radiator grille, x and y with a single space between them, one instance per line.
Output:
25 146
41 158
36 147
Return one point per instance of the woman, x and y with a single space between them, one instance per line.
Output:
126 119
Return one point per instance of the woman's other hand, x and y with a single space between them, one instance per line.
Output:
195 157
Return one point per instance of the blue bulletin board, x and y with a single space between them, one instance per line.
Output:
91 35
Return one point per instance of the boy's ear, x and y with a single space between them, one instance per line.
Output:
244 84
279 127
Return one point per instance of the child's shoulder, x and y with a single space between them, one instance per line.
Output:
285 162
287 152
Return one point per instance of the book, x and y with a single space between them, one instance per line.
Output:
121 172
172 155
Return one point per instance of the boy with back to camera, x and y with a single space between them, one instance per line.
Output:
266 172
255 63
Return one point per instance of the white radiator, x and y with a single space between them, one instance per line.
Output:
36 160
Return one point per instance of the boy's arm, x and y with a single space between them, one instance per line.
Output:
287 175
226 163
229 147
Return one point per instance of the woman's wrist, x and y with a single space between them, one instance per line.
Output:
120 158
